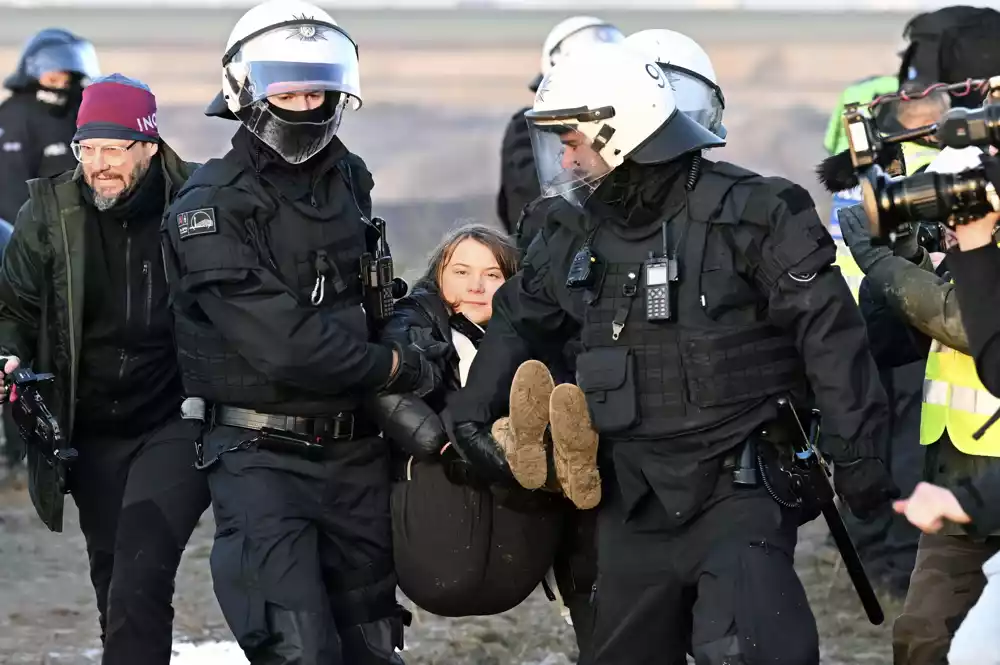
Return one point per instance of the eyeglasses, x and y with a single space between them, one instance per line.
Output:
113 155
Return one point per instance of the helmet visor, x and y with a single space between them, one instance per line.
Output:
696 97
292 59
77 58
568 162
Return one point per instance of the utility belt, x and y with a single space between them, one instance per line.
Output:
312 438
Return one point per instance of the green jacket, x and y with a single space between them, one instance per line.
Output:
860 92
41 302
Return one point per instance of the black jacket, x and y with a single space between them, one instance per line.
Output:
129 380
34 143
518 177
785 258
243 281
412 424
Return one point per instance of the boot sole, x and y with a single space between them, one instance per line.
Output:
530 392
574 446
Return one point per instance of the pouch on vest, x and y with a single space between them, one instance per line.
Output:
607 377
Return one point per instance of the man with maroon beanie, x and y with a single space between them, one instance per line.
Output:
83 294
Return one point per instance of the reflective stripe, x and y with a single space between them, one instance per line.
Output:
975 401
849 269
954 400
936 392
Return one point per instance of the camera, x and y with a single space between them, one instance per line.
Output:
892 200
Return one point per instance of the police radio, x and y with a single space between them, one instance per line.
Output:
381 287
659 274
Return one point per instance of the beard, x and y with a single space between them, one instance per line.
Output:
102 202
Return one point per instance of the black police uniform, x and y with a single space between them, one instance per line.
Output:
686 559
263 259
518 178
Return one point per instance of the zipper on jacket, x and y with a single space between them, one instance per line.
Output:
121 368
147 278
128 280
74 368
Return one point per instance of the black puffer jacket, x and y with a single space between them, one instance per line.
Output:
412 424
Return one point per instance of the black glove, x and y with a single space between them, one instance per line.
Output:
858 237
477 445
864 485
417 370
907 242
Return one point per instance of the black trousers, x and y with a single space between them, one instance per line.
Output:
139 500
302 562
575 569
721 586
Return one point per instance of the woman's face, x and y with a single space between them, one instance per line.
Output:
469 280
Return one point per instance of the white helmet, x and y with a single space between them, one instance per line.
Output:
690 73
571 34
290 46
600 107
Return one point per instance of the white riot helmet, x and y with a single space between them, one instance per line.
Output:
600 107
570 35
283 47
690 73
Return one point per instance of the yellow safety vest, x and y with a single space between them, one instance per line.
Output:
916 156
849 269
955 400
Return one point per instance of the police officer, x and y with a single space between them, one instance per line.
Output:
518 182
263 252
706 295
38 120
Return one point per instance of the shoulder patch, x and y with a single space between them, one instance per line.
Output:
196 222
796 198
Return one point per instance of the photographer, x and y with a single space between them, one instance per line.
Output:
947 577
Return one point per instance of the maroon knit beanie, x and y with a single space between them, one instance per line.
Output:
117 107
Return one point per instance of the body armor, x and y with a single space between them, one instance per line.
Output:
714 361
308 255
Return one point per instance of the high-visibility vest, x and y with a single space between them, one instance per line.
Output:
917 157
955 400
845 261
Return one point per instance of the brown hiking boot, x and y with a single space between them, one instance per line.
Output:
574 446
529 418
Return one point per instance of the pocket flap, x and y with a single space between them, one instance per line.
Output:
602 369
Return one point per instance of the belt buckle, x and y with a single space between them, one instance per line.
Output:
338 424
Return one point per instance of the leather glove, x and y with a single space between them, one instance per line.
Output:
477 445
858 238
417 370
864 485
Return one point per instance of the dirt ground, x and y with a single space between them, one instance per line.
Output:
436 104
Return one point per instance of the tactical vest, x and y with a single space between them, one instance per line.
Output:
703 368
307 255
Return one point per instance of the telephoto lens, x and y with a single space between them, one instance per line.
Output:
950 198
